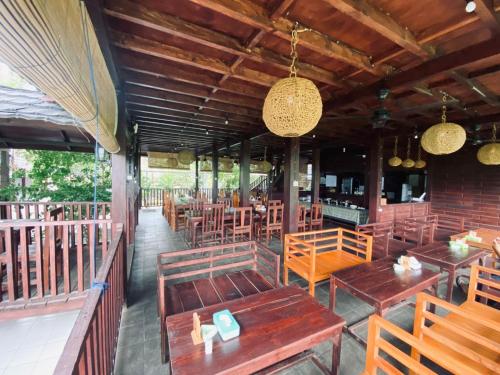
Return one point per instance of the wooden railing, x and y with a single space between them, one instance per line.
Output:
50 258
261 183
36 210
91 346
153 197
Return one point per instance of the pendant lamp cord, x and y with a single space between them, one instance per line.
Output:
96 148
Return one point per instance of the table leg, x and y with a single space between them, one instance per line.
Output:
337 342
434 291
333 293
449 287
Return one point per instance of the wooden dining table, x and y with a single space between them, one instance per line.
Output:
379 285
439 254
276 327
487 236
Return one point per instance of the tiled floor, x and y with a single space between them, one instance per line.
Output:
139 340
32 346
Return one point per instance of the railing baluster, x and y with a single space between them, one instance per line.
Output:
11 264
79 257
53 263
39 262
66 269
91 246
25 276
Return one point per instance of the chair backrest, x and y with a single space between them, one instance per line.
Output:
381 233
56 214
275 215
301 214
379 330
316 212
243 218
274 203
212 218
482 284
227 202
196 206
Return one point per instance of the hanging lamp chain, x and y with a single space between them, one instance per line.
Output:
443 116
293 53
396 146
408 149
494 130
419 152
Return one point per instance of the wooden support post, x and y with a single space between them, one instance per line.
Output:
291 196
245 173
197 175
316 173
375 177
215 174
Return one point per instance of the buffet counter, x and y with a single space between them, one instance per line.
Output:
357 216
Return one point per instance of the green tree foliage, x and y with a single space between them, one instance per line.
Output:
62 176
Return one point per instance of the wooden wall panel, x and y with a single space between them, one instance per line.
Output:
400 211
461 186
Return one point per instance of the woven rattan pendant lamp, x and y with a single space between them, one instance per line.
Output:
185 156
444 138
293 106
408 163
490 154
419 164
395 161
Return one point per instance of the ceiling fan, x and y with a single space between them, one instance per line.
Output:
381 115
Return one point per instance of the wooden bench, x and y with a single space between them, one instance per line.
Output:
462 339
201 277
384 243
315 255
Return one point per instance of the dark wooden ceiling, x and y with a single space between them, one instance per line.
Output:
195 72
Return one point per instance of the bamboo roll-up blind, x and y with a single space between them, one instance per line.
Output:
160 160
44 41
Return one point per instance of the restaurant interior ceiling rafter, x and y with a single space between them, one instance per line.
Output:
196 72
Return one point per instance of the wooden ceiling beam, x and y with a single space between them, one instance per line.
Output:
159 83
153 48
190 123
364 12
486 12
188 127
477 88
190 100
144 16
252 14
180 131
155 103
139 110
139 63
424 71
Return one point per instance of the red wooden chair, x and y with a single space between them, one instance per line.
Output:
227 202
274 203
242 224
274 222
301 218
212 224
316 219
195 209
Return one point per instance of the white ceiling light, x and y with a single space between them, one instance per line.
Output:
470 6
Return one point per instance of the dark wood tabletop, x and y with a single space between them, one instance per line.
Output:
487 236
439 254
379 285
275 325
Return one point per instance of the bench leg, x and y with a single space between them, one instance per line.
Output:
285 275
333 294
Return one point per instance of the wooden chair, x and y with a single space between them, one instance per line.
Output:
316 218
242 224
384 243
274 222
227 202
301 218
195 209
315 255
212 224
274 203
461 339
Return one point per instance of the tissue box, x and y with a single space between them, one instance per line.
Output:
227 326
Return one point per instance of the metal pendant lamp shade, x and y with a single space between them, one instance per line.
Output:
293 106
186 156
444 138
395 161
490 154
408 163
